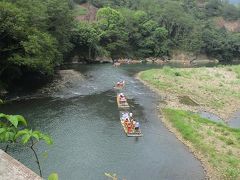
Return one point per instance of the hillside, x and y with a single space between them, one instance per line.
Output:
85 12
232 26
191 26
40 37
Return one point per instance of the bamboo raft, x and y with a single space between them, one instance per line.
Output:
119 87
122 105
134 133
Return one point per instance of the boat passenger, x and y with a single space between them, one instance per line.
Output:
134 123
124 115
129 127
126 122
137 126
118 84
122 99
131 115
122 83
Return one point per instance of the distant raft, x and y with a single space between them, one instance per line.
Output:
122 101
119 85
128 125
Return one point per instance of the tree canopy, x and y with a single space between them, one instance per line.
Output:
34 36
37 36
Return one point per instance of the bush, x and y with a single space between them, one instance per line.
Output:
177 74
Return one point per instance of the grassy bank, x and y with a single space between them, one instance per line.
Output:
216 90
219 144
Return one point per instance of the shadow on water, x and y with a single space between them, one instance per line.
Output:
88 136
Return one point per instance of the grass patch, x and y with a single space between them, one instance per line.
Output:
216 88
217 142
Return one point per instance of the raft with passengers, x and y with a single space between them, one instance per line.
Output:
119 85
122 101
130 125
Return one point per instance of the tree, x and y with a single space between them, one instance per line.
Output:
34 37
213 8
86 39
111 27
230 12
60 23
176 21
146 38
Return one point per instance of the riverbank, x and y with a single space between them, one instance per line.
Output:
184 90
214 90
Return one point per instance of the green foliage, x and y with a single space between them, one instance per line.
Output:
35 36
221 44
9 125
193 128
231 12
86 39
13 130
53 176
15 120
111 27
213 8
184 21
27 135
145 37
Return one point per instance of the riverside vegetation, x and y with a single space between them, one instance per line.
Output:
213 89
38 36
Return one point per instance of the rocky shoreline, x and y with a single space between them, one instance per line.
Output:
62 79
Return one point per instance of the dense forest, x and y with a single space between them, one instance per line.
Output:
37 36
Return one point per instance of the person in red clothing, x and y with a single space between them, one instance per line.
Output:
129 127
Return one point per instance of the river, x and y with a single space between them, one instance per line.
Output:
83 120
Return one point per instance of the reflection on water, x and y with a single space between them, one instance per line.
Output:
83 120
